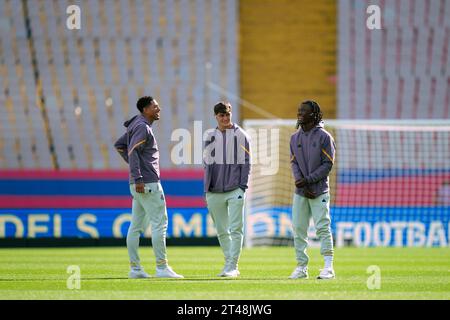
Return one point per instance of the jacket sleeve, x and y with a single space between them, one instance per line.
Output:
137 141
328 149
121 146
246 166
294 164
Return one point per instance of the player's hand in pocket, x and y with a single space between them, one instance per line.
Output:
140 187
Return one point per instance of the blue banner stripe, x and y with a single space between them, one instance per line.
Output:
93 187
90 223
359 226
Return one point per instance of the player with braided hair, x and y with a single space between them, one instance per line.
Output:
312 157
316 113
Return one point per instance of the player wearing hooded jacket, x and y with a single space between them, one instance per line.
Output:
312 157
139 149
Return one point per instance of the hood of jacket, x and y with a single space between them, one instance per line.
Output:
136 120
128 122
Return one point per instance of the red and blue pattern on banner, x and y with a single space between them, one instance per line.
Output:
92 189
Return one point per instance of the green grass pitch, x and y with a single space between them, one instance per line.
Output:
406 273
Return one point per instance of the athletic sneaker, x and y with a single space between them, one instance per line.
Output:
299 273
231 273
326 274
167 272
224 270
138 274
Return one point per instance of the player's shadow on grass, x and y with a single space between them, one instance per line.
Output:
52 279
148 279
212 278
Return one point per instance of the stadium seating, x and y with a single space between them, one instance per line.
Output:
65 93
400 71
87 81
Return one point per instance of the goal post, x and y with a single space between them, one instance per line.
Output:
387 174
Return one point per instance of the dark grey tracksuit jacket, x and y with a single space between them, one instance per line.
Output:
226 160
139 149
312 157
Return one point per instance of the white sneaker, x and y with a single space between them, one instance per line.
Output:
224 270
231 273
326 274
138 274
229 266
167 272
299 273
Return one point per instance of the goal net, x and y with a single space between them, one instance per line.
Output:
390 183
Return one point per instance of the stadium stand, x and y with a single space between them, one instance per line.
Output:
22 135
400 71
76 87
